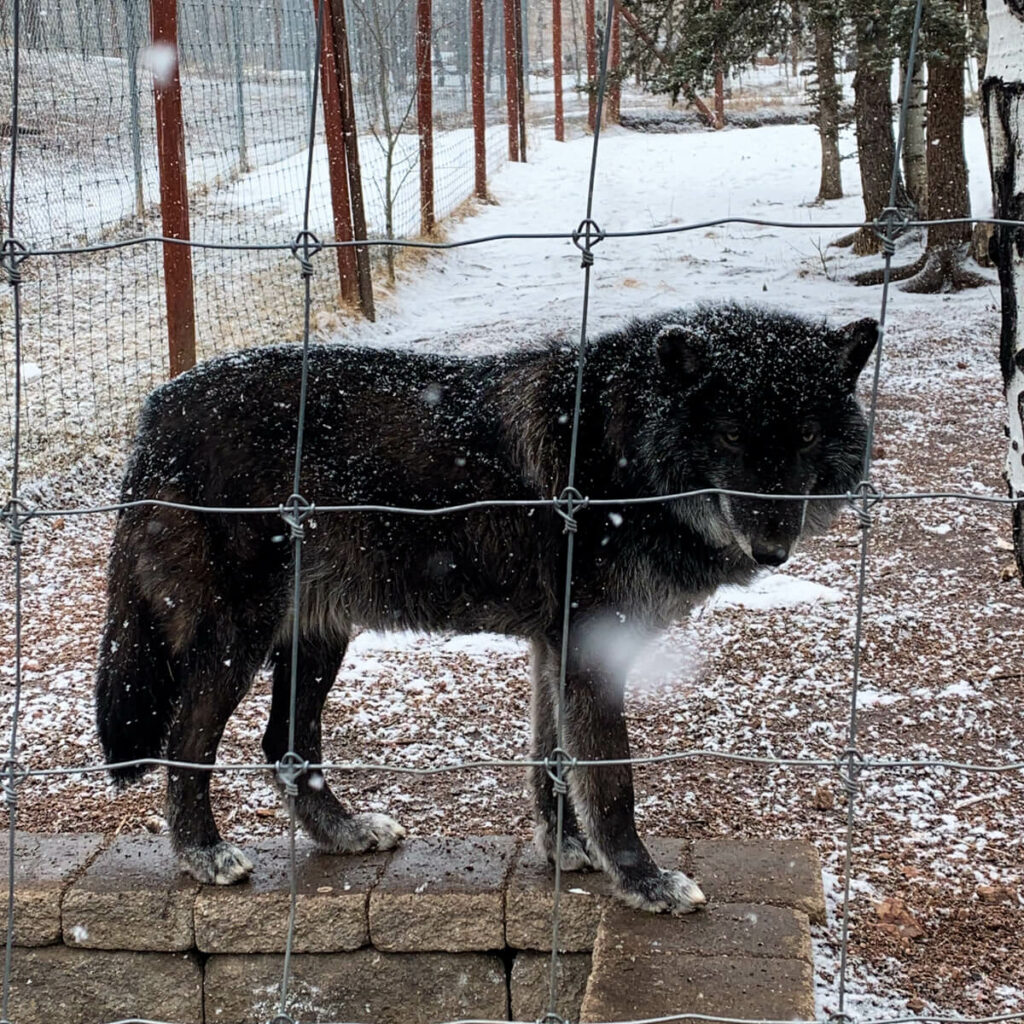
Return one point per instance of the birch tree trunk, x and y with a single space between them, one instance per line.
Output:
1003 96
915 149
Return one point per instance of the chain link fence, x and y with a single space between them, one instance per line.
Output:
77 267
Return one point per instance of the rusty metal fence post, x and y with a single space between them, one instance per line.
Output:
337 162
338 28
556 68
424 114
476 44
521 89
615 86
719 83
590 30
170 144
511 78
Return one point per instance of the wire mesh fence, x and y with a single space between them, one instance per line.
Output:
79 265
89 174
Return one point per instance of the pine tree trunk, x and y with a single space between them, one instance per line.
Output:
876 146
947 166
948 197
1003 97
915 149
829 94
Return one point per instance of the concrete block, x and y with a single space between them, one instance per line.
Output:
83 986
731 929
134 896
386 988
330 909
748 988
781 872
530 983
741 961
445 895
529 899
44 867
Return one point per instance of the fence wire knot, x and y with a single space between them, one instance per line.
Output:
862 500
571 499
295 511
555 764
289 770
840 1018
12 254
15 514
283 1018
304 248
585 237
889 225
13 775
850 777
552 1018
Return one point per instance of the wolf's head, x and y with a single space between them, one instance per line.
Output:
759 402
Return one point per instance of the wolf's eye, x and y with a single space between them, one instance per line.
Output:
730 438
810 434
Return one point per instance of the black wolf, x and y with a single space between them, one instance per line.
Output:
721 396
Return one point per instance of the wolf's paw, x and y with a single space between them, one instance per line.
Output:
574 850
221 864
358 833
668 892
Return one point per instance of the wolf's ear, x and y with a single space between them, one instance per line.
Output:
680 350
854 343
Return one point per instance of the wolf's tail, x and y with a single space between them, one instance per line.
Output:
136 684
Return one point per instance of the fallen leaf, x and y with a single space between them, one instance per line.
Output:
824 799
994 893
895 919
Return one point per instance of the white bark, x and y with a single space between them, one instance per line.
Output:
1005 42
915 149
1003 92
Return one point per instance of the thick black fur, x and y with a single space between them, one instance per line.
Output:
719 396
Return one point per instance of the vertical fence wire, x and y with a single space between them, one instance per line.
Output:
589 235
292 766
11 259
296 510
888 227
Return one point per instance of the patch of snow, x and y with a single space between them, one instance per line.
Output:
776 590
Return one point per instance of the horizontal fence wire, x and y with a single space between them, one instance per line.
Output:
25 511
850 763
701 1017
864 763
565 235
669 1019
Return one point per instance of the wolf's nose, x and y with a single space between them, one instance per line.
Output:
769 554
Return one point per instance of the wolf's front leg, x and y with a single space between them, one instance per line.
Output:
603 795
573 845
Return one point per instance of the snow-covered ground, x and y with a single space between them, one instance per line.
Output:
766 671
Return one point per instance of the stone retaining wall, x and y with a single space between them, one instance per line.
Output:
440 929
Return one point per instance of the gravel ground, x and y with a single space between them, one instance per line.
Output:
937 886
938 889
